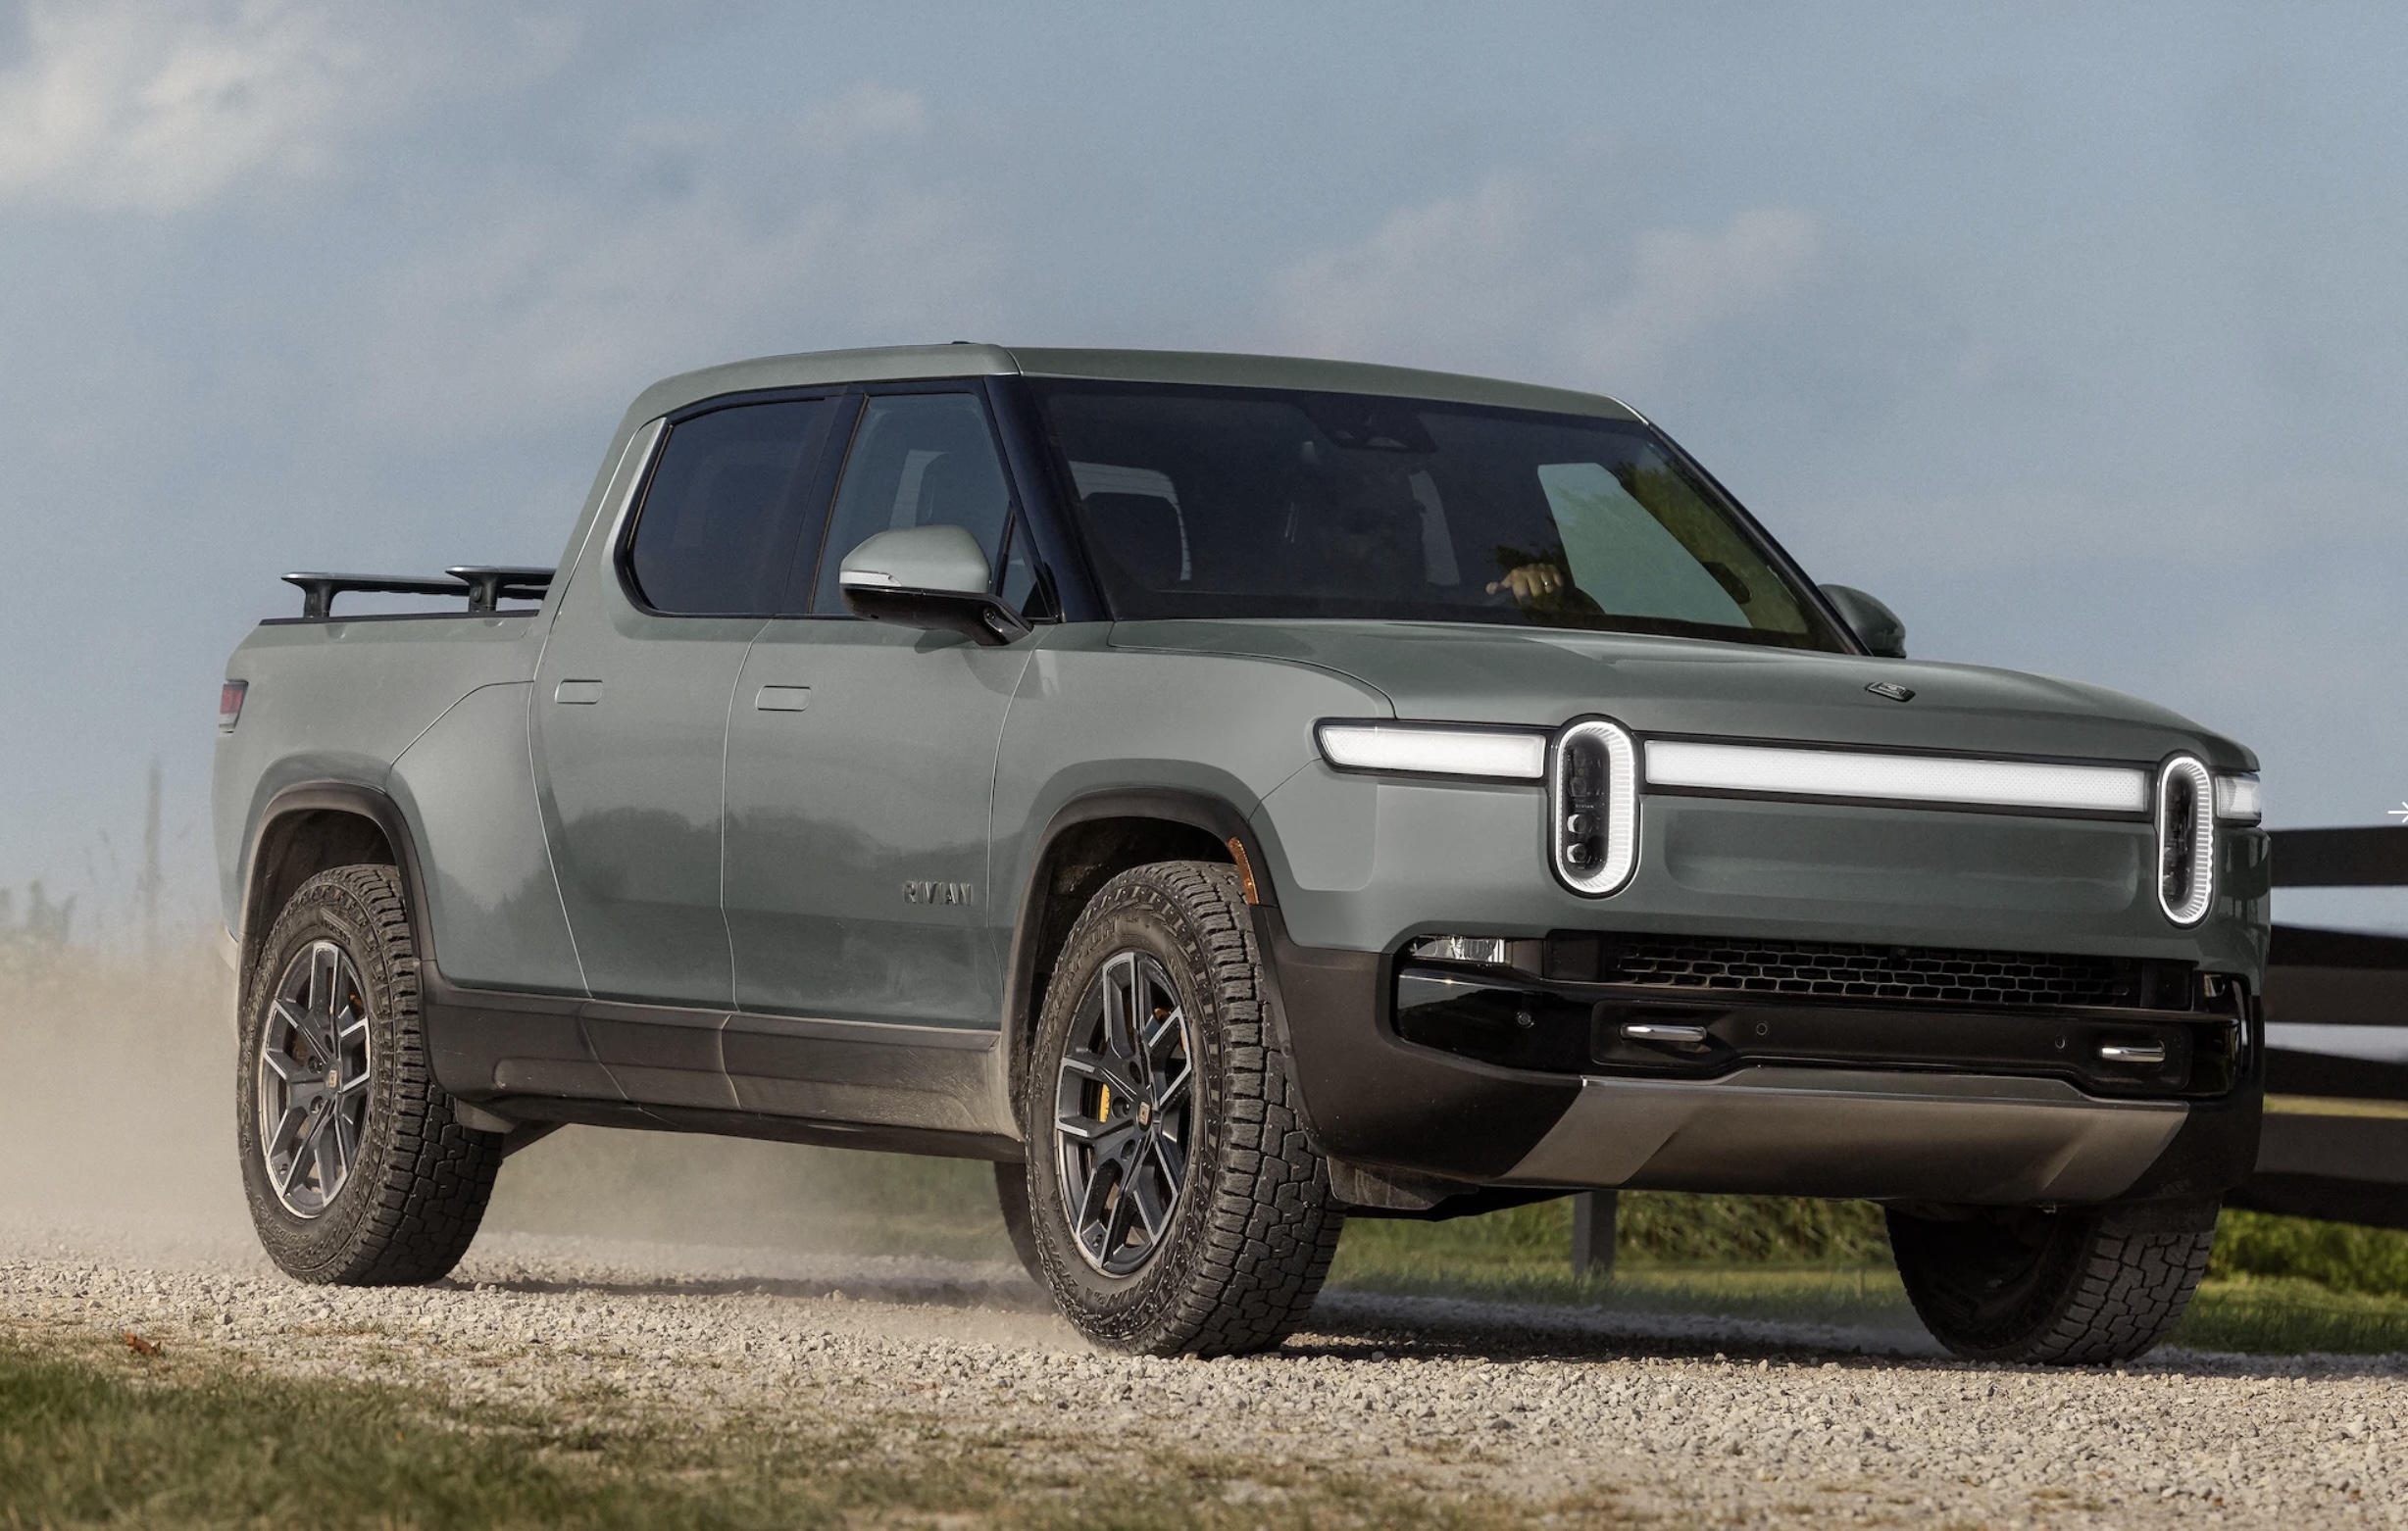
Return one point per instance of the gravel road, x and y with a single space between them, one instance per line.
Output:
1673 1419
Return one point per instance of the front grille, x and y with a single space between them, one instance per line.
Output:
1836 969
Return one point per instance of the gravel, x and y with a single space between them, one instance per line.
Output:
1671 1417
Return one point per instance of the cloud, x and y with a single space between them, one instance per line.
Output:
869 110
158 106
533 309
1491 281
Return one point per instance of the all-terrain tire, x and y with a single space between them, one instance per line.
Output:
2078 1287
418 1184
1250 1236
1012 1200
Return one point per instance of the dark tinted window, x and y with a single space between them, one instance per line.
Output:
918 460
717 533
1219 502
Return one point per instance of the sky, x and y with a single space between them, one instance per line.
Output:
2077 333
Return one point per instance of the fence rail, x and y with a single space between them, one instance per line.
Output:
2336 1142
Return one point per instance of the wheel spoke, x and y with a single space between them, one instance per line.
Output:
1119 1000
1170 1158
294 1021
292 1165
325 973
1086 1064
1095 1202
1117 1223
1152 1199
1105 1138
288 1128
323 1154
287 1068
1174 1095
1164 1033
346 1141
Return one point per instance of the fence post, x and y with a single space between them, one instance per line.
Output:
1592 1233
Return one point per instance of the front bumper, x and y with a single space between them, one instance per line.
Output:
1898 1102
1887 1135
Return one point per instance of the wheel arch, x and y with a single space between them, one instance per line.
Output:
310 826
1089 840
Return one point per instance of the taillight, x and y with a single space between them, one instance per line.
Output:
1592 798
229 703
2186 840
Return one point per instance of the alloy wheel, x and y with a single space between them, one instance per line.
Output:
316 1062
1125 1112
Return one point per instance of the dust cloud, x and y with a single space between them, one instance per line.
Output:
118 1077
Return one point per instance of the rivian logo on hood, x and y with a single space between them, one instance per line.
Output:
1893 690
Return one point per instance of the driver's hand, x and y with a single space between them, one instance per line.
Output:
1531 581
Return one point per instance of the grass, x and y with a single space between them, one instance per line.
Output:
2275 1285
93 1436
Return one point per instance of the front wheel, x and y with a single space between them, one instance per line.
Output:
356 1172
2078 1287
1174 1201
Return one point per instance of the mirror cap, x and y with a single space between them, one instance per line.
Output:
1875 624
930 578
918 558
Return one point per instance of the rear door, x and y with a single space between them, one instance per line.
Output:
861 755
632 701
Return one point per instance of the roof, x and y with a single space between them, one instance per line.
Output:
893 364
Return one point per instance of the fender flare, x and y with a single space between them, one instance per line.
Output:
357 799
1215 815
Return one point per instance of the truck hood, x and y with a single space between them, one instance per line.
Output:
1469 673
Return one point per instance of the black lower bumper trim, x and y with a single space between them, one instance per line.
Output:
1371 1098
1647 1031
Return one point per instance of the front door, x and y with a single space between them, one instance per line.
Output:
869 951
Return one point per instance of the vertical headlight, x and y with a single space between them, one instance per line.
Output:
2186 840
1592 798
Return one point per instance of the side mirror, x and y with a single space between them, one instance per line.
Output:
933 577
1875 626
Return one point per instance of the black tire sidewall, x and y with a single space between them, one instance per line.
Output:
1945 1264
1135 912
327 908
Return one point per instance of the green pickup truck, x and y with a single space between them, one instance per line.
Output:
1232 795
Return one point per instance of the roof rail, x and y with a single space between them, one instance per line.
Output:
485 586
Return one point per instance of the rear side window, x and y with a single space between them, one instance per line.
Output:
918 460
717 533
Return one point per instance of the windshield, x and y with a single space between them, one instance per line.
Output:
1228 502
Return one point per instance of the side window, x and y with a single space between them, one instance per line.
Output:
1022 591
716 533
918 460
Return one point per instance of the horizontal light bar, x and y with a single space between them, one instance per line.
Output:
1434 749
2239 799
1913 778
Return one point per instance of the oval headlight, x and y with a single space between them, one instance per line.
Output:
1593 801
2185 839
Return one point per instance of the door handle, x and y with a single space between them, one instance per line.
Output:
578 693
782 699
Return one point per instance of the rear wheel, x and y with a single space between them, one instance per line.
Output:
354 1168
2069 1288
1173 1204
